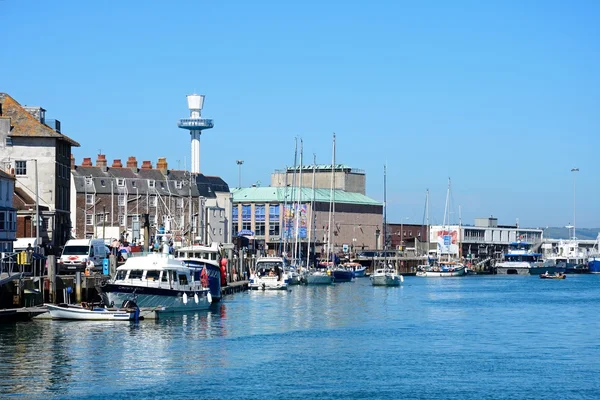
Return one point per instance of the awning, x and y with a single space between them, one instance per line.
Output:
247 233
22 243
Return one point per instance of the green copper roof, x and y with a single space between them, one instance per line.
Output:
278 194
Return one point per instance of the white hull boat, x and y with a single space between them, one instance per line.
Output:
158 280
460 271
318 278
81 313
386 277
270 273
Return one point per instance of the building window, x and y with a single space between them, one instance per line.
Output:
274 220
21 167
259 228
103 182
152 219
234 214
2 217
89 199
151 183
133 183
247 225
121 200
120 182
88 181
121 220
178 184
135 218
221 231
100 218
162 185
153 201
89 219
246 213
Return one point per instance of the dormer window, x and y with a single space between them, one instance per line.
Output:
88 181
162 185
120 182
178 184
151 183
133 183
103 182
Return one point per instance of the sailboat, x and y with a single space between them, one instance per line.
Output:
448 266
385 276
323 276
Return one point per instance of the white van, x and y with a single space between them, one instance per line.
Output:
79 253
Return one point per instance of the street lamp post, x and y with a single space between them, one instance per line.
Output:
574 202
239 163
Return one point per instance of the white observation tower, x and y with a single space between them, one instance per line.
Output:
195 124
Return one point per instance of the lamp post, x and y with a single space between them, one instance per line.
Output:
574 175
239 163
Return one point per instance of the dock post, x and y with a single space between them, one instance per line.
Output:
52 278
78 287
113 265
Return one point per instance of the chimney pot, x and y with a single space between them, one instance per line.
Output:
117 163
87 162
162 165
146 165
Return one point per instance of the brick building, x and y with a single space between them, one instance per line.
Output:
118 201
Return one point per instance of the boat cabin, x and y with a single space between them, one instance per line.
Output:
270 266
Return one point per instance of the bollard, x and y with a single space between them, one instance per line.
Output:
78 287
52 279
113 265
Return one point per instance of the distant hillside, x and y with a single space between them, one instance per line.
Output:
563 233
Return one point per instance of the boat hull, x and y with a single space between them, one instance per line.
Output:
267 283
360 272
96 314
594 265
386 280
171 300
319 278
442 274
342 275
524 270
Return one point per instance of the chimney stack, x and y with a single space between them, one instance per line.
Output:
87 162
72 162
162 165
117 163
146 165
101 162
132 163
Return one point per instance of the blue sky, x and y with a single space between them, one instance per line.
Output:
501 96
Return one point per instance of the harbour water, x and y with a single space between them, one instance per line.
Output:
480 337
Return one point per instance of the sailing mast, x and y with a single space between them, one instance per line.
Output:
310 212
297 209
331 201
384 216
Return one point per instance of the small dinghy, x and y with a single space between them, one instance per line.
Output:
90 312
558 275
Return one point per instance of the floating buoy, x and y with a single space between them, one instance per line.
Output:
184 298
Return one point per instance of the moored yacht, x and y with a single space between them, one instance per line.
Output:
159 280
520 260
386 276
204 259
270 273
